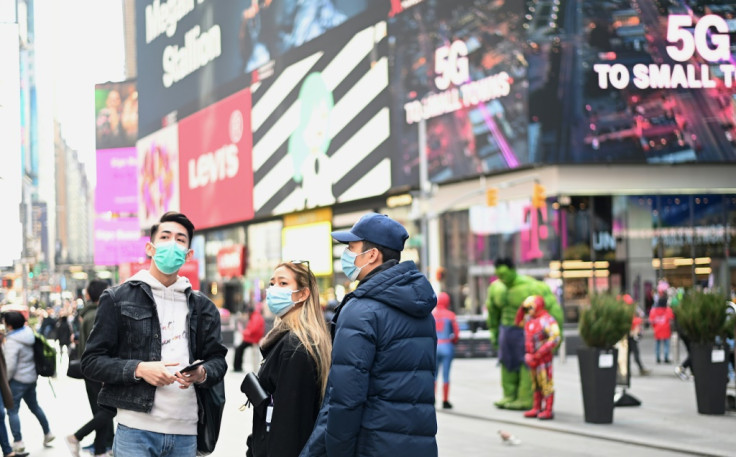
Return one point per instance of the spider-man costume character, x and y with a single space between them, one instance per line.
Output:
541 336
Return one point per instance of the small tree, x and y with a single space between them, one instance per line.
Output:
606 321
703 316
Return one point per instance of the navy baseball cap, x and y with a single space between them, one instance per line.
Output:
378 229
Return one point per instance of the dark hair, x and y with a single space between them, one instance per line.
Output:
179 218
504 261
387 253
95 289
14 319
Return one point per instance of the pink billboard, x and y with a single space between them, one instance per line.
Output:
118 241
116 181
215 166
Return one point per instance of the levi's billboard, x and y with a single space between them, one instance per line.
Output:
215 167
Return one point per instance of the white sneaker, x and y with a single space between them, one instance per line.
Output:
18 446
73 444
47 438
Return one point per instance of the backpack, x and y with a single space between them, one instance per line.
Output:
44 356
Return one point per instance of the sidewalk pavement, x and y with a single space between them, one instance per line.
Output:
667 422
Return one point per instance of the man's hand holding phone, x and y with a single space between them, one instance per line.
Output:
191 374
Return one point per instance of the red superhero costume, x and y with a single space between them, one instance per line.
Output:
541 336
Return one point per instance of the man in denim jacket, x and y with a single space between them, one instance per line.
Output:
145 331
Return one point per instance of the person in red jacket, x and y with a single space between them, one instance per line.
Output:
448 334
252 334
661 317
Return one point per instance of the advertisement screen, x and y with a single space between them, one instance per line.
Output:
118 241
458 66
633 82
158 175
116 114
194 51
215 163
117 179
318 250
321 126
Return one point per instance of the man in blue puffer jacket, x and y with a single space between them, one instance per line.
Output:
380 391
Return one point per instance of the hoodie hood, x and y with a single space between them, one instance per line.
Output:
181 284
402 287
23 336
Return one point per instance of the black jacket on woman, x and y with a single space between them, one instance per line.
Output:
289 374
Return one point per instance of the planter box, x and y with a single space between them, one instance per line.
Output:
598 380
710 370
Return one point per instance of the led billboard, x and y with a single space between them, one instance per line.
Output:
196 52
118 241
116 114
158 175
321 126
633 82
117 179
215 163
459 67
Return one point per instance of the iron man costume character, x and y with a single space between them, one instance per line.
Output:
541 337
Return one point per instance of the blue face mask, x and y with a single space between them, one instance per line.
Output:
170 256
348 264
279 300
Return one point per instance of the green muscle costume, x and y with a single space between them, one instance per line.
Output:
505 295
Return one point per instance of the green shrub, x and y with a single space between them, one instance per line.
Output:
702 317
605 322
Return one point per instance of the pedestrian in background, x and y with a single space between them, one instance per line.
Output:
7 398
143 334
448 334
23 377
661 317
380 393
252 334
101 422
296 361
64 333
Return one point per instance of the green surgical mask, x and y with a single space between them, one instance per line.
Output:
169 257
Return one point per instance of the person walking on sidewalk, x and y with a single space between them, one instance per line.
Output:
146 329
7 399
661 317
635 333
23 377
252 334
448 334
101 422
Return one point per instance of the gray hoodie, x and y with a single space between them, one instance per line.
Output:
19 355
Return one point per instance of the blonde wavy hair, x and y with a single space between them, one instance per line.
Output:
308 322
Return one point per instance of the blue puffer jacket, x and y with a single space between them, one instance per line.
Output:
380 392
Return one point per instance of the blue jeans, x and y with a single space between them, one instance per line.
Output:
131 442
666 343
4 443
27 392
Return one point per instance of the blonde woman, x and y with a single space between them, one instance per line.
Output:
295 366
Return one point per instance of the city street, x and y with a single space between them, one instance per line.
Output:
666 423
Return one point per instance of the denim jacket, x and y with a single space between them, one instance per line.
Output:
126 332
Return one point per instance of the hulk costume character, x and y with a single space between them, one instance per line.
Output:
505 295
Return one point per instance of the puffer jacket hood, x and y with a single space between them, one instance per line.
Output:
402 287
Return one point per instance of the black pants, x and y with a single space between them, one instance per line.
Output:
686 363
634 349
101 422
238 362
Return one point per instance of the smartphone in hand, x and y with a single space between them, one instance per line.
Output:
191 367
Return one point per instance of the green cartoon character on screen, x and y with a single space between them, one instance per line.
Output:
505 295
309 143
